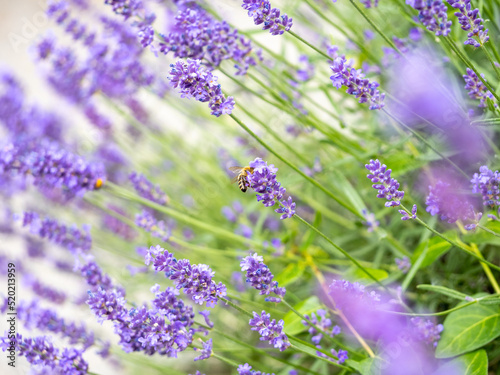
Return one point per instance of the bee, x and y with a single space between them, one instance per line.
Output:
241 177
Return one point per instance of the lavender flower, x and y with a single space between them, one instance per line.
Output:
51 167
403 264
323 323
370 222
407 216
369 3
262 179
345 75
470 20
71 238
261 12
427 331
125 8
206 314
444 201
246 369
486 182
147 189
117 226
270 330
386 185
476 88
197 35
206 352
39 351
197 82
157 228
432 14
44 291
260 278
165 328
195 280
344 292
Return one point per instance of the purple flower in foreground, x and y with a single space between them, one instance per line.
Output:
403 264
147 189
260 278
487 182
443 200
39 351
71 238
476 88
407 216
471 21
432 14
345 75
197 82
194 279
262 179
270 330
206 352
427 331
386 185
261 12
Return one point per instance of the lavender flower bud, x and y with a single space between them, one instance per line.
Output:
345 75
147 189
432 14
197 82
260 278
195 280
386 185
486 182
206 352
246 369
262 13
403 264
471 21
476 88
407 216
270 330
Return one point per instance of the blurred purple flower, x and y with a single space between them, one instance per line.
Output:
147 189
445 200
403 264
157 228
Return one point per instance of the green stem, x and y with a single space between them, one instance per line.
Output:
310 45
469 64
425 142
377 29
454 243
345 253
225 360
490 59
218 231
488 230
441 313
309 179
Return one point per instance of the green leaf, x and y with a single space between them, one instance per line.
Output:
481 236
359 275
443 290
436 247
475 363
343 185
293 323
490 300
468 329
291 273
367 366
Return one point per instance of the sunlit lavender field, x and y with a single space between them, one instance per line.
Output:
250 187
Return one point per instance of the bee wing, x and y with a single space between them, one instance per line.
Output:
234 179
236 169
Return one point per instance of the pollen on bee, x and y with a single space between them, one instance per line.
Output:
98 183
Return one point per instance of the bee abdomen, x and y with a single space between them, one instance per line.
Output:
242 183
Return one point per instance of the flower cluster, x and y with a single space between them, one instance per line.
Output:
262 13
386 185
444 200
39 351
246 369
165 328
260 278
403 264
262 179
51 167
432 14
147 189
157 228
71 238
195 279
471 21
323 323
205 352
486 183
118 226
195 34
476 88
126 8
270 330
45 291
194 81
369 3
371 222
345 75
427 331
409 216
